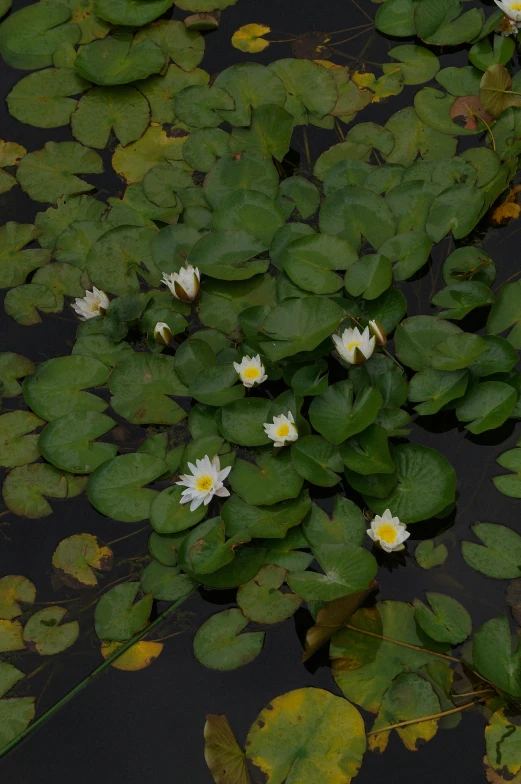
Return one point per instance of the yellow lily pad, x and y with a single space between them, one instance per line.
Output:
138 657
76 558
155 146
11 636
15 588
248 38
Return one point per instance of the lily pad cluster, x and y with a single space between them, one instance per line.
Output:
288 256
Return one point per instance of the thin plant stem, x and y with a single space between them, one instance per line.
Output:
349 29
490 690
362 11
339 129
306 145
421 719
352 38
403 644
127 536
86 681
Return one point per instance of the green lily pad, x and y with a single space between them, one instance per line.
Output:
118 616
169 516
16 447
23 303
433 389
264 521
337 415
251 211
16 713
45 632
439 22
247 170
29 36
270 132
16 262
457 209
309 262
161 89
414 138
184 47
396 17
486 405
506 313
102 109
447 621
368 452
119 256
250 85
242 421
166 583
229 255
11 637
417 336
50 173
495 656
55 388
26 488
114 60
197 105
426 484
204 146
298 325
417 63
316 460
308 735
408 697
13 590
131 13
216 385
140 386
219 644
42 98
354 212
267 481
309 88
499 555
428 555
117 487
261 601
156 146
69 442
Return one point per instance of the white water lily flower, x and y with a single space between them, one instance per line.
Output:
378 332
507 27
511 8
251 371
94 303
388 532
163 334
205 481
283 430
355 346
184 284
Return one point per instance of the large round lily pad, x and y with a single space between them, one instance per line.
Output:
117 487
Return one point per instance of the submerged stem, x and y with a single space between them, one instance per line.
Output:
85 682
403 644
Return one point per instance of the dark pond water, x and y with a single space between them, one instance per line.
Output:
148 726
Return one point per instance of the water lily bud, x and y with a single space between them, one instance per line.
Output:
163 334
354 346
378 332
184 284
93 304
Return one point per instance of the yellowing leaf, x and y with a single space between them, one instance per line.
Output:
363 80
13 589
328 64
155 146
138 657
11 153
389 84
248 38
11 636
76 558
223 755
509 209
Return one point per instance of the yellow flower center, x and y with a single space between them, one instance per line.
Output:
283 431
387 533
354 344
251 372
515 6
204 483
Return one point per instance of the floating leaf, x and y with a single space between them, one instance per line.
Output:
118 616
41 99
264 521
79 557
262 602
131 13
486 405
246 170
219 644
229 255
11 638
307 735
50 173
427 555
337 414
298 325
29 37
267 481
502 739
353 213
54 389
138 657
69 442
140 386
408 697
117 487
102 109
413 137
500 554
440 23
26 489
347 569
426 484
45 633
16 713
496 92
448 621
249 38
154 147
250 85
13 590
417 63
115 61
16 447
185 47
15 262
497 657
223 755
166 583
506 313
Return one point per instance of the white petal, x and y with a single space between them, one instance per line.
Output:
222 492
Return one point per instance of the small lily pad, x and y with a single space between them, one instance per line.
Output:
261 601
45 632
79 557
220 645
